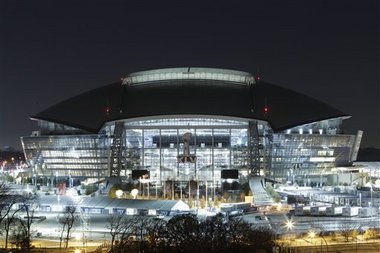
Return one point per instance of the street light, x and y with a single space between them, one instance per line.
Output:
311 235
289 224
119 193
134 193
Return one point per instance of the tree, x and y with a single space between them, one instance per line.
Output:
19 235
27 204
8 223
140 230
186 233
322 232
183 232
156 235
7 200
122 229
348 229
260 238
216 233
238 231
4 201
67 221
371 233
115 227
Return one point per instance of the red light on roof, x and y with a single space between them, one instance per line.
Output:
266 109
108 110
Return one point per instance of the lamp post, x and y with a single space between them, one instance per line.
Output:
156 184
311 235
119 193
206 194
134 193
289 227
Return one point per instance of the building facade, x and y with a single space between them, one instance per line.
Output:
191 124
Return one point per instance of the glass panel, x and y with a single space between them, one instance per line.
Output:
186 171
204 138
187 122
221 138
168 163
239 138
204 163
169 138
151 138
134 138
222 158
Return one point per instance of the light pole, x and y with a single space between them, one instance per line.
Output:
134 193
206 194
119 193
311 235
155 176
289 227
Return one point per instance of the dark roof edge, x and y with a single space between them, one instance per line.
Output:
91 130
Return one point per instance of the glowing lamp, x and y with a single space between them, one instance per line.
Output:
134 193
119 193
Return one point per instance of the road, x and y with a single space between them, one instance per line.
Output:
303 224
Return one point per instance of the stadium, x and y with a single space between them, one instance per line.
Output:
181 124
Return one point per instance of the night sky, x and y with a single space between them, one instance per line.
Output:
52 50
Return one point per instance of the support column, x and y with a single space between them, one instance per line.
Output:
254 154
116 155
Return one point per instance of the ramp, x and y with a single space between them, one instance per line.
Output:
260 195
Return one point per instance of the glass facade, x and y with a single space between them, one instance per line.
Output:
305 155
156 146
209 145
63 155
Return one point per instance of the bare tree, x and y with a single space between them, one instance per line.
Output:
7 201
67 221
349 229
140 230
183 232
26 205
8 223
186 233
156 235
5 205
122 228
18 235
115 225
260 238
238 230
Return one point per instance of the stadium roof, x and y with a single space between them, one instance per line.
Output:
188 92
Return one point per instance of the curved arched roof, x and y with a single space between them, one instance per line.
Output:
219 93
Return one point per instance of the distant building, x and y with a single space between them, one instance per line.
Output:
191 123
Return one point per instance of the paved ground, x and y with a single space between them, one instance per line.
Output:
328 245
